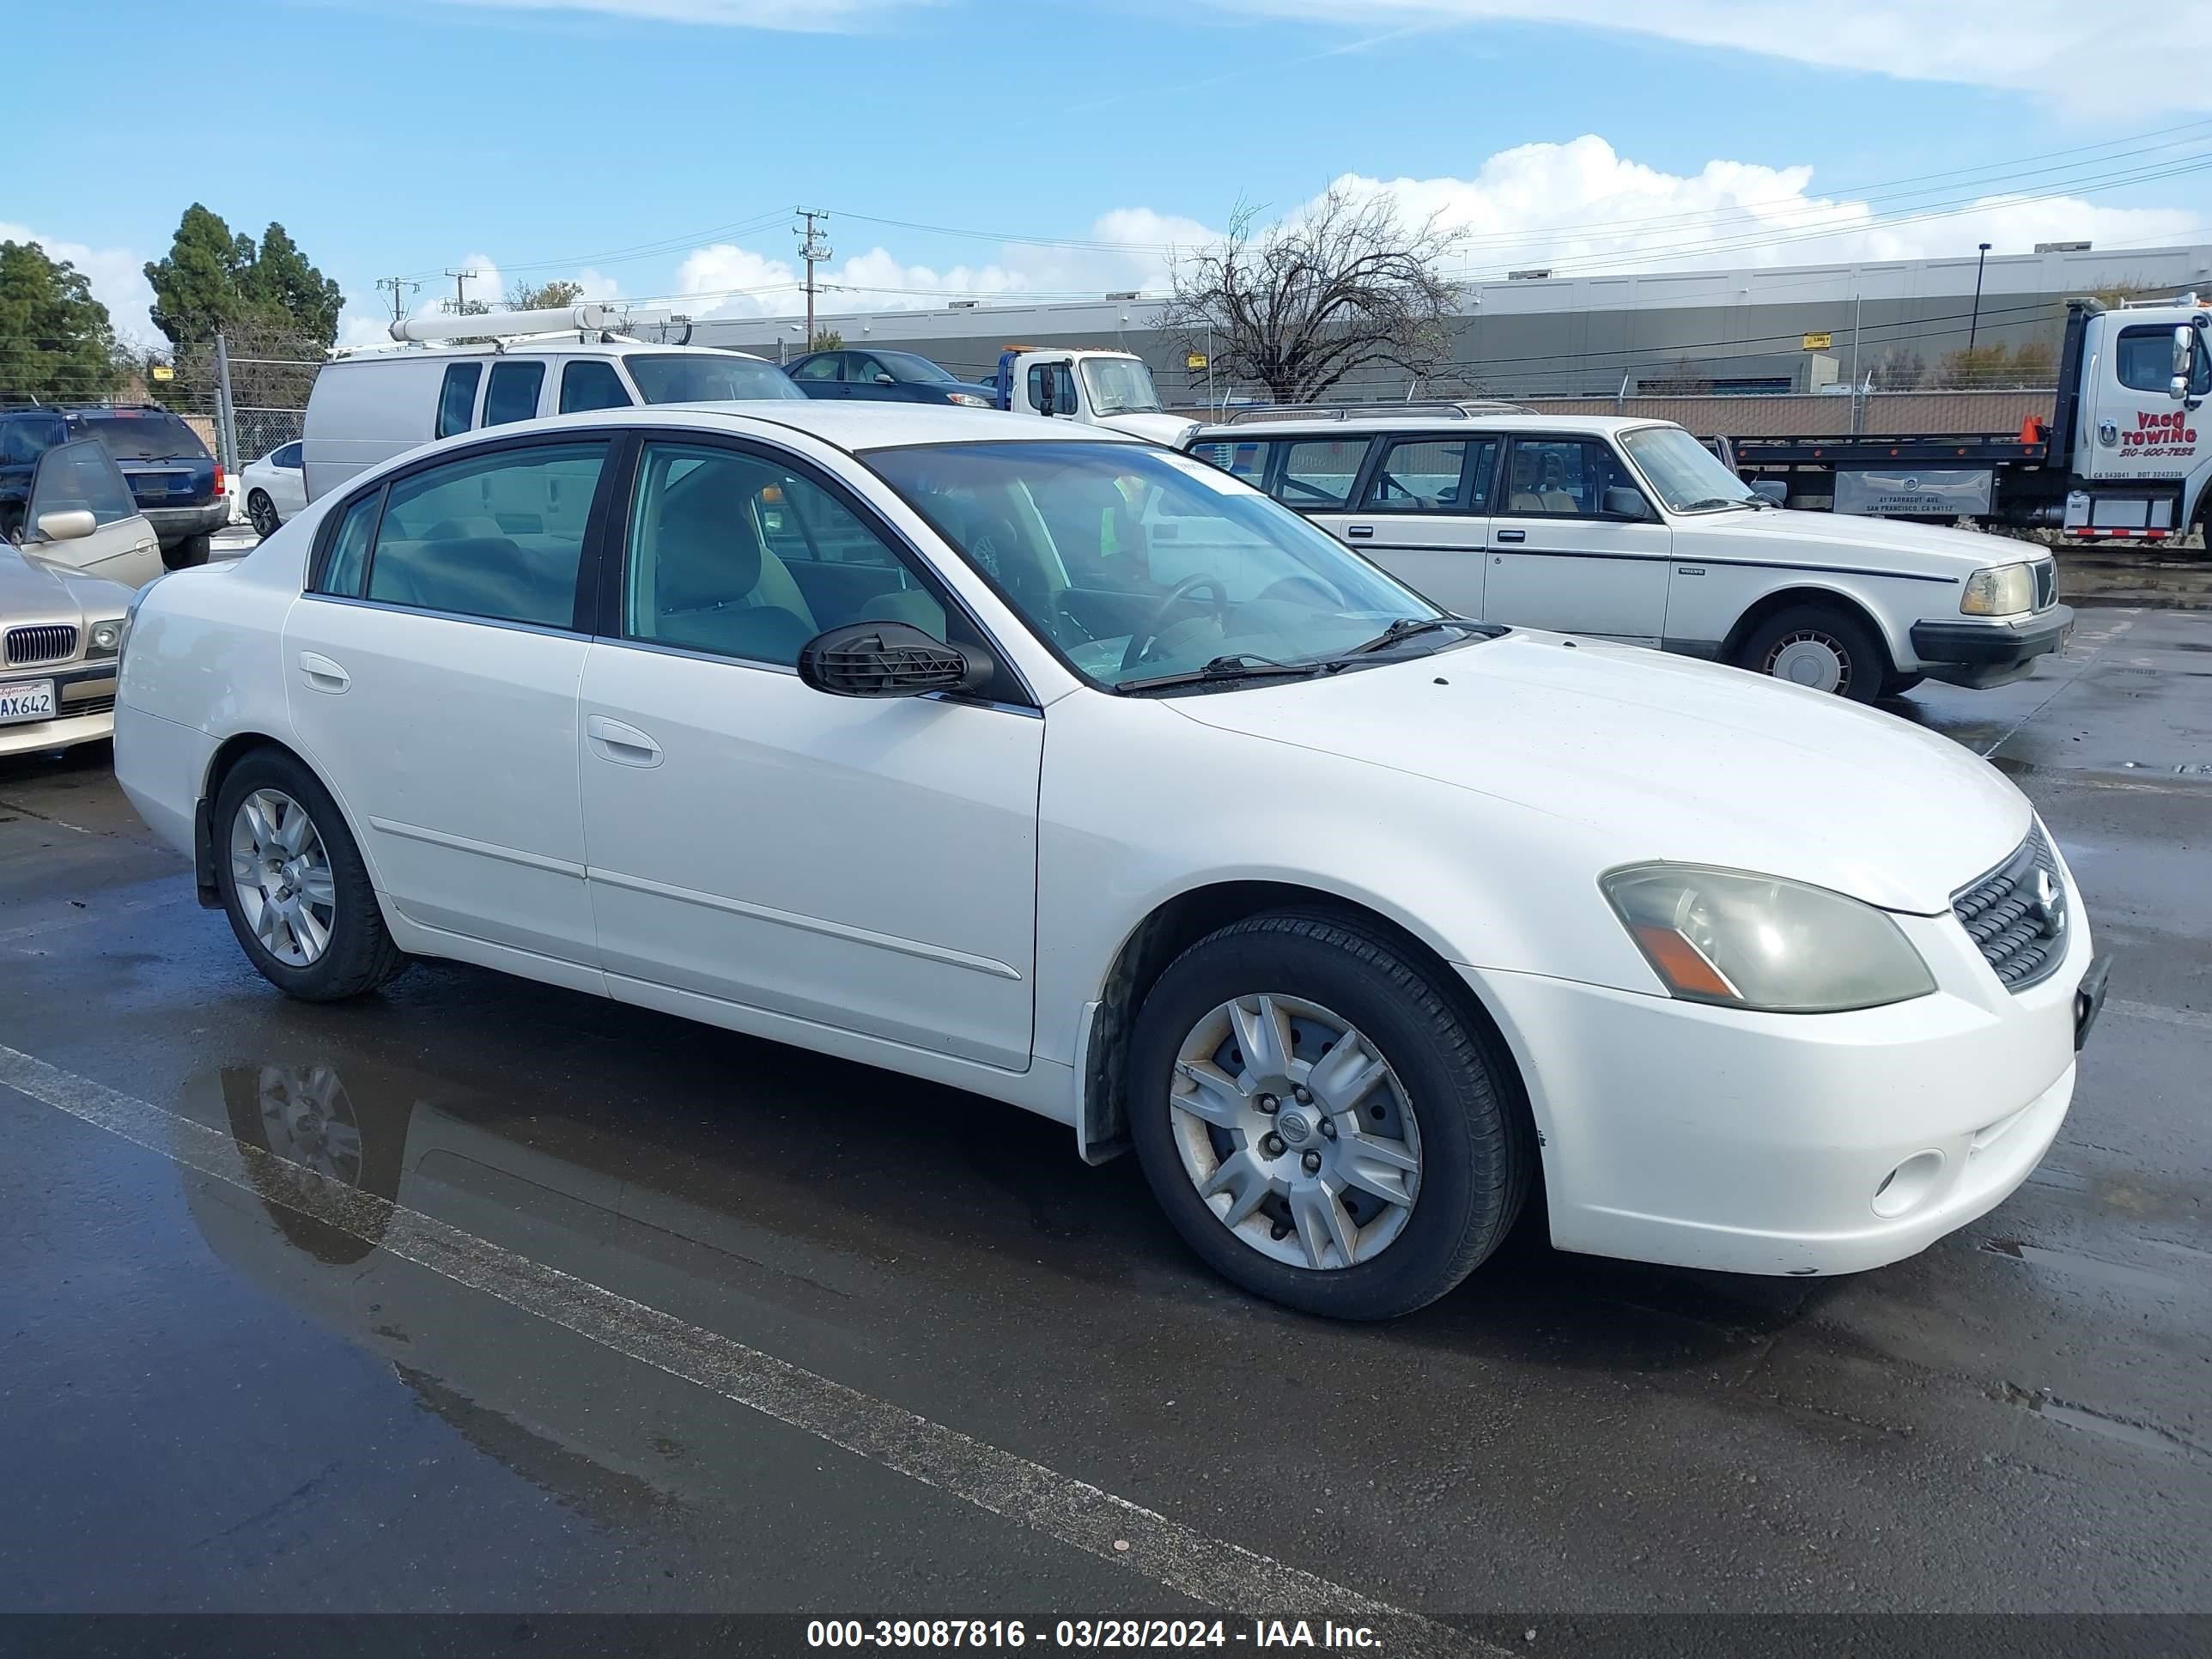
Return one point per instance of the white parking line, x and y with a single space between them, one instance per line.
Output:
1211 1571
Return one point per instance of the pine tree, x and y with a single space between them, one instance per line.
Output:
56 343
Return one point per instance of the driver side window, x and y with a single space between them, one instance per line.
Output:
732 554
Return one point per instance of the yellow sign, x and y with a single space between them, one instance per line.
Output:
163 372
1194 360
1818 341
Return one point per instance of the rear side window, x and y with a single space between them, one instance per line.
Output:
1238 456
823 367
288 458
347 558
1320 471
457 398
513 393
1432 475
23 440
499 535
152 437
588 383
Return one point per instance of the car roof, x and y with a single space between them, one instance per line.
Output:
1363 425
528 345
850 426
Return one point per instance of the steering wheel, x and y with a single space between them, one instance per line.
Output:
1143 639
1289 589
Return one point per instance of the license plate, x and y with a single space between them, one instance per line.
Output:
26 700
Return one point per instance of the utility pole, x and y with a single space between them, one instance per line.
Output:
400 288
1975 321
814 249
461 289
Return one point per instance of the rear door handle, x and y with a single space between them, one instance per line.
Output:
322 674
625 745
1512 535
1360 533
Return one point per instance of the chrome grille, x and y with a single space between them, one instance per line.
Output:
2046 585
2016 915
84 706
42 643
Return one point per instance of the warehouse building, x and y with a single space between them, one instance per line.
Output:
1769 329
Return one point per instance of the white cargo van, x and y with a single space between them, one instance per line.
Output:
374 403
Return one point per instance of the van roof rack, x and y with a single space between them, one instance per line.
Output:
1464 409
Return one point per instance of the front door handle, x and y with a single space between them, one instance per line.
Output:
322 674
625 745
1512 535
1360 533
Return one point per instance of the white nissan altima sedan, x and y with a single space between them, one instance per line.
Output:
1064 769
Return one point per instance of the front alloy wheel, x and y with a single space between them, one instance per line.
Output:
1295 1131
282 873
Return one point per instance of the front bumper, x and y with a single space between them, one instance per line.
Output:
84 709
1982 654
173 523
1712 1138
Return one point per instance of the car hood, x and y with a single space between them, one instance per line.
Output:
1665 758
32 590
1169 430
1821 538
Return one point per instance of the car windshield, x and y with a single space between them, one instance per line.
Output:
1688 477
905 366
1135 563
690 377
144 437
1120 386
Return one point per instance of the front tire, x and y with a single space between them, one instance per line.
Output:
1823 648
294 884
1323 1123
190 551
261 512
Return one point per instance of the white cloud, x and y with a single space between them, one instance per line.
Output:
118 276
1582 206
807 17
2059 49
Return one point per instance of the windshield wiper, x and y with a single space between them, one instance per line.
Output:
1711 502
1237 665
1404 629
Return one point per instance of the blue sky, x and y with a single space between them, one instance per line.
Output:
655 148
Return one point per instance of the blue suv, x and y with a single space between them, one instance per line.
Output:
175 481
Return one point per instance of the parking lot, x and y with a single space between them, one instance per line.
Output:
478 1295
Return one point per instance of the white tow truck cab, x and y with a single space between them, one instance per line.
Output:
448 374
1095 387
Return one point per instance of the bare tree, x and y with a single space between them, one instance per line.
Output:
1343 290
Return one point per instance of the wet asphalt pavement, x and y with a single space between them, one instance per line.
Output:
225 1389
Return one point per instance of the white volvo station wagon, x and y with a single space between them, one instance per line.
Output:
871 728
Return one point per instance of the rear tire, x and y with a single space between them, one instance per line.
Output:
1440 1101
261 513
295 888
1823 648
1896 685
192 550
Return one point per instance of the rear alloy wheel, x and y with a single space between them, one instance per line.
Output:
294 884
1821 648
262 512
1321 1123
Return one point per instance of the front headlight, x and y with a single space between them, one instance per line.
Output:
968 398
105 639
1749 941
2002 590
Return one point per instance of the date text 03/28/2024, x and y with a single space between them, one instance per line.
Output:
1086 1633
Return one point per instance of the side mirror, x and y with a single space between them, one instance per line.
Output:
2185 362
1774 489
69 525
885 379
1625 501
885 660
